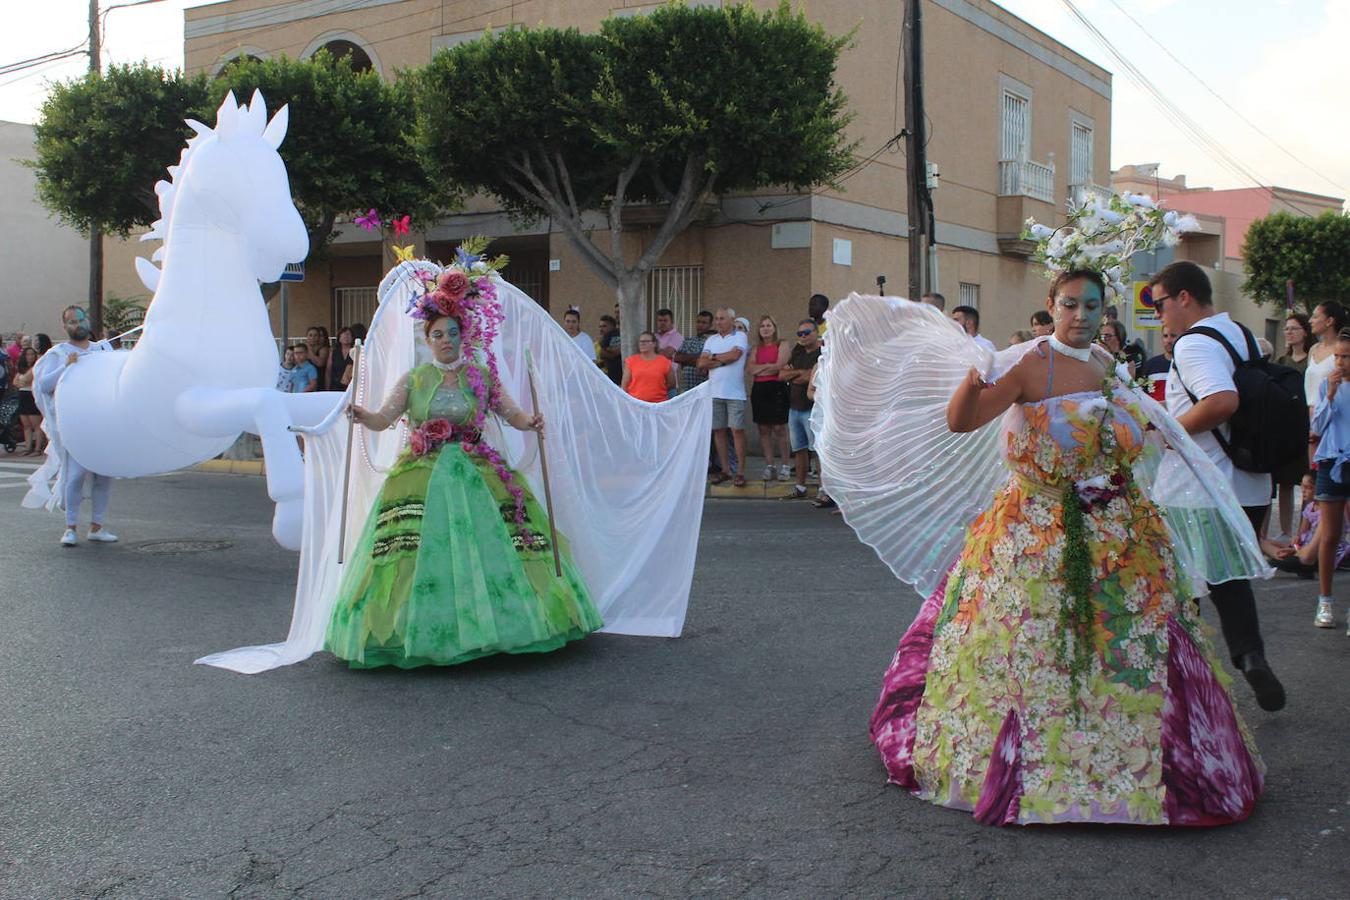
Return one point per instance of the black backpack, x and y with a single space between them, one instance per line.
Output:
1270 428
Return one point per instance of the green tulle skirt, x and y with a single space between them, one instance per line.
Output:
443 574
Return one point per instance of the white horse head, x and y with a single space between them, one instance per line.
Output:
236 181
231 178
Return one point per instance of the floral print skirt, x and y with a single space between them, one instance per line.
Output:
977 712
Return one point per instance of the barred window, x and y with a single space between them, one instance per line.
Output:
970 295
679 289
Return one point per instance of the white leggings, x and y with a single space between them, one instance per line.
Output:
72 491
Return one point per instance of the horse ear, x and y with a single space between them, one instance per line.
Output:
227 117
254 116
276 129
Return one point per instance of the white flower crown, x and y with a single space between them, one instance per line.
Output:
1102 237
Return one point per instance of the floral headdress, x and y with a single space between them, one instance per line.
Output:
1102 236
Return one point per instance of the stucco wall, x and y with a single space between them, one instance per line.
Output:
44 265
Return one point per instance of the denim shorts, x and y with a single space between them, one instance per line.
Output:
799 430
1328 488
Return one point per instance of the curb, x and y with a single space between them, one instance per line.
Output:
231 466
757 490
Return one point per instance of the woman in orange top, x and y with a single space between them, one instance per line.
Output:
648 375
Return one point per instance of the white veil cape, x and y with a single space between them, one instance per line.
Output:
627 476
910 488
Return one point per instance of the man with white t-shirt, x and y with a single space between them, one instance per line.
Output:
968 317
1202 369
723 358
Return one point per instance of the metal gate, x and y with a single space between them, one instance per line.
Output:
679 289
352 305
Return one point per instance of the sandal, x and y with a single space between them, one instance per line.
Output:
823 503
739 481
717 478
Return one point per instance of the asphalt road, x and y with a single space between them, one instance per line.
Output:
731 762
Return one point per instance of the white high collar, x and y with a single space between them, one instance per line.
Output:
449 367
1082 354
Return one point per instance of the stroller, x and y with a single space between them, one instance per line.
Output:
9 417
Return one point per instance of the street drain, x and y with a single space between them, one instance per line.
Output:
183 546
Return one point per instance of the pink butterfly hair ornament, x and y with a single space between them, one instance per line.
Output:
401 224
370 221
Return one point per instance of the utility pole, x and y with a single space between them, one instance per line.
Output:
95 233
919 207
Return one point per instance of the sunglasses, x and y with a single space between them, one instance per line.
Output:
805 333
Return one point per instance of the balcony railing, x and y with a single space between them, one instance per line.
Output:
1024 178
1078 191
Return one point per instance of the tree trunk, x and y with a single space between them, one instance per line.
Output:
630 295
96 280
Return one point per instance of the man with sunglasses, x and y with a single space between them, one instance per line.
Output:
1202 369
797 374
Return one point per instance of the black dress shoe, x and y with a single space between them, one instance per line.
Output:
1294 565
1269 692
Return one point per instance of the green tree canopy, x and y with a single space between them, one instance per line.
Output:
103 141
671 107
1314 253
348 145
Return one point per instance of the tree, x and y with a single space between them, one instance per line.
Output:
102 142
348 145
673 108
1314 253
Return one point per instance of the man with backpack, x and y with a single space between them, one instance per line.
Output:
1217 382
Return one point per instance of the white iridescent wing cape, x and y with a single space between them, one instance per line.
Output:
627 476
910 488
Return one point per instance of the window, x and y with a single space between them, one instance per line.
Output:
679 289
354 304
970 295
1016 120
1080 151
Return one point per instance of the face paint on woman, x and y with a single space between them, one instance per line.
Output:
1078 312
444 340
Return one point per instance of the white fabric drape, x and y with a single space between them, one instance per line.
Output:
627 476
910 488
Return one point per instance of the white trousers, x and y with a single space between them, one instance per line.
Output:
73 476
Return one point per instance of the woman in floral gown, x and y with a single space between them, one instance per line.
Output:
454 562
1060 673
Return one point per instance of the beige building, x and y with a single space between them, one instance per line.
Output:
44 265
1016 120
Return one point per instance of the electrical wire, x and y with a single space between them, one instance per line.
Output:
1217 96
1189 127
7 68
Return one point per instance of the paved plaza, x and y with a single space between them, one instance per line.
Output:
731 762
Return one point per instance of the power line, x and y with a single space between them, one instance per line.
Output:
1327 178
39 60
1188 126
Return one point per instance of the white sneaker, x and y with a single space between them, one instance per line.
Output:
1325 617
102 536
69 539
769 473
785 473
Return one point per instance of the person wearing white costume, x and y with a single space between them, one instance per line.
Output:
73 476
626 476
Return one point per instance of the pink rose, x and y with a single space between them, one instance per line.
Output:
454 283
418 443
437 430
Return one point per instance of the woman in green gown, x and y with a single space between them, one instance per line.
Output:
454 562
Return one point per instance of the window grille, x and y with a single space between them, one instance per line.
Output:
1080 154
679 289
970 295
1016 126
354 304
529 277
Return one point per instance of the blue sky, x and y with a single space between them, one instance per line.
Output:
1283 64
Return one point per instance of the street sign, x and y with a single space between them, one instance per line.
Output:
1145 313
294 272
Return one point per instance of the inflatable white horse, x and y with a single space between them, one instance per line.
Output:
206 368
